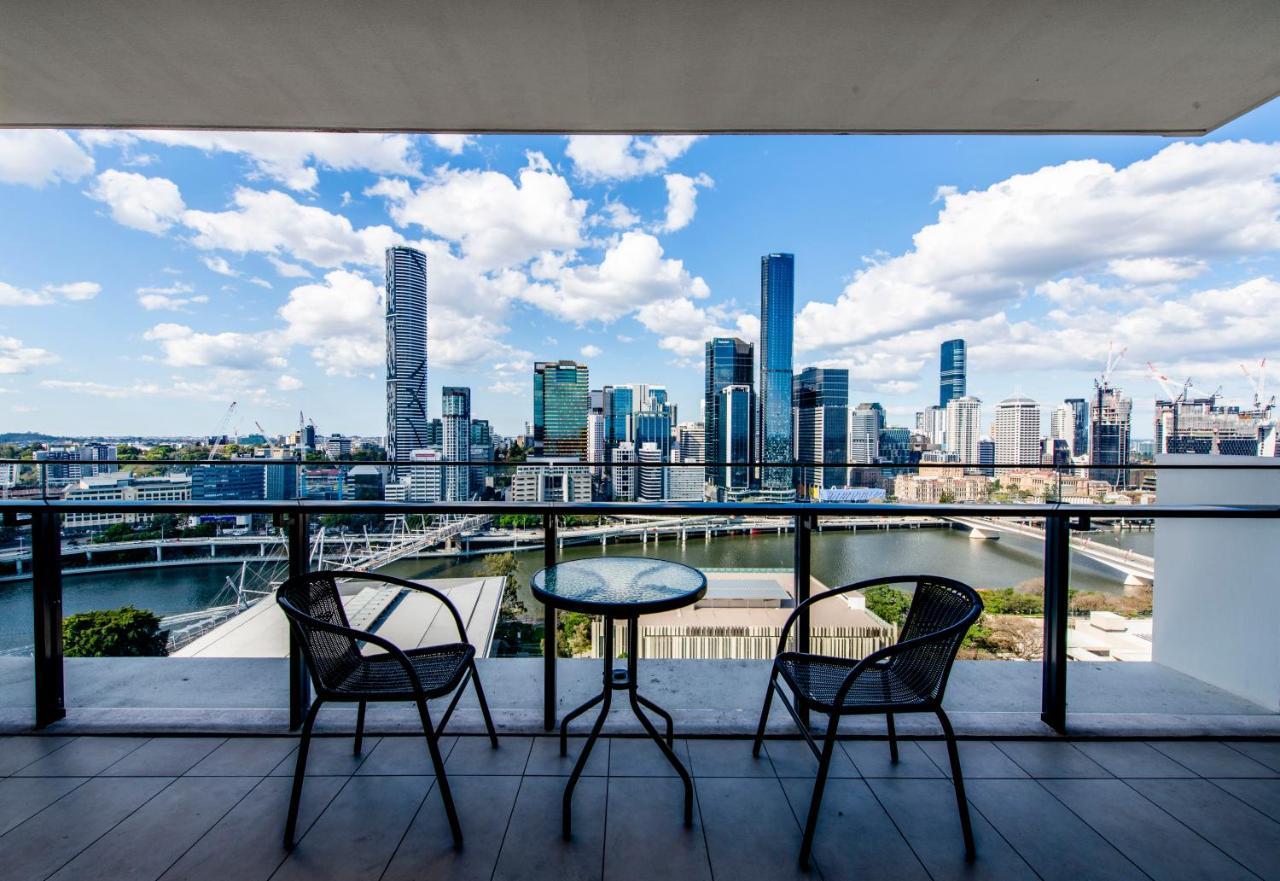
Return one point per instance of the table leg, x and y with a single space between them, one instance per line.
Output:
606 696
633 651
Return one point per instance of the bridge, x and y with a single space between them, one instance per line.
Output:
1138 569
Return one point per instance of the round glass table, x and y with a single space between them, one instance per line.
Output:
619 588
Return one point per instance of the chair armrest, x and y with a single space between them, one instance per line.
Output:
411 585
297 617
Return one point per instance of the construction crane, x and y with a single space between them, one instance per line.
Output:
220 432
1259 383
1113 359
1174 394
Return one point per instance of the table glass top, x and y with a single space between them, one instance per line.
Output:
619 581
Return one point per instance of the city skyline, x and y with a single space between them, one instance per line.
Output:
219 266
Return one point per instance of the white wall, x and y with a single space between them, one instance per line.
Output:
1217 590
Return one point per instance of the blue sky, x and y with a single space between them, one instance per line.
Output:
147 279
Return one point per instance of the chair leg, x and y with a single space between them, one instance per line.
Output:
359 729
442 781
484 705
764 713
957 780
819 784
299 774
893 739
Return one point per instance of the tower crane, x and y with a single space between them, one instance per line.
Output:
221 430
1175 395
1113 359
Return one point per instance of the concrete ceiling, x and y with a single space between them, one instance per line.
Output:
1155 66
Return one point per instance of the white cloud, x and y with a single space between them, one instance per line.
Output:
591 351
216 385
287 269
16 358
684 327
219 265
76 291
39 157
452 143
1156 270
184 347
151 204
287 383
172 297
682 200
341 319
261 282
616 215
496 221
618 157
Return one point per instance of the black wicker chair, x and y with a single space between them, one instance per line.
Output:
341 673
908 677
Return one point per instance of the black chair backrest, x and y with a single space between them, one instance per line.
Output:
331 657
939 603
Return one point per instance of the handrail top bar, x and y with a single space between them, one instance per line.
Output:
672 509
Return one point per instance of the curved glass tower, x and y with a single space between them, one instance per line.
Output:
406 351
777 314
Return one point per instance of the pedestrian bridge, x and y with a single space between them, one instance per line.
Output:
1138 569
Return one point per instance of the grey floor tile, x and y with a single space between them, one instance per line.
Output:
358 833
727 758
1055 842
1210 759
1266 752
84 757
245 844
533 847
329 757
41 845
1133 759
871 758
164 757
645 835
978 759
1159 845
793 758
1263 795
750 830
641 757
484 806
23 797
403 755
17 752
244 757
925 812
545 758
855 838
1245 834
153 837
1051 758
475 755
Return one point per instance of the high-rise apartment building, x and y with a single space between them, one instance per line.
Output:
455 416
728 363
820 399
653 479
777 318
1110 416
736 411
561 397
953 373
481 451
406 301
964 429
595 440
1062 426
866 421
1017 432
622 473
1080 426
617 407
691 440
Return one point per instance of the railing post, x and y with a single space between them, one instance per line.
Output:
46 602
1057 576
549 628
803 570
299 564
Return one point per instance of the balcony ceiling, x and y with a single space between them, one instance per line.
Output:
1154 66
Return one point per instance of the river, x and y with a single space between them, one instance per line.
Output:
838 558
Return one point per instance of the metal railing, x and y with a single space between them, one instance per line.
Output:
44 518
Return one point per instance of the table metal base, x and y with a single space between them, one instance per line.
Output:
620 680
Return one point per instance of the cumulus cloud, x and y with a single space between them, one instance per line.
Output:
682 200
184 347
171 297
683 327
17 358
35 158
219 265
452 143
341 319
591 351
11 295
619 157
151 204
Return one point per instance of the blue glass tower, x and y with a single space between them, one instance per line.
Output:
777 317
729 362
821 397
951 377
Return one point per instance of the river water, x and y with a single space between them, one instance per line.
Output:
839 557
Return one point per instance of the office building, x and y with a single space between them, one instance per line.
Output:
1062 426
239 482
406 305
1055 451
1017 432
691 441
1109 425
735 411
481 451
424 482
561 398
986 456
953 372
622 473
685 483
931 422
653 479
773 425
337 446
964 428
455 417
617 406
866 421
122 486
653 427
1201 425
551 480
280 482
895 446
728 363
820 399
1080 426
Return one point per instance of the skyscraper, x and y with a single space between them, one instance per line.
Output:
617 405
1109 424
481 451
736 412
1080 426
561 398
777 317
1017 432
406 279
729 363
455 412
1062 425
865 424
964 417
820 397
952 375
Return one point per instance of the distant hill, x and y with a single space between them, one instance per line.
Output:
27 437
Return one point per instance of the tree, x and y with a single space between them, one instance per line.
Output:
506 566
573 637
888 603
114 532
946 497
114 633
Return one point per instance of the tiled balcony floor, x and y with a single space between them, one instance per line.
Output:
120 808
